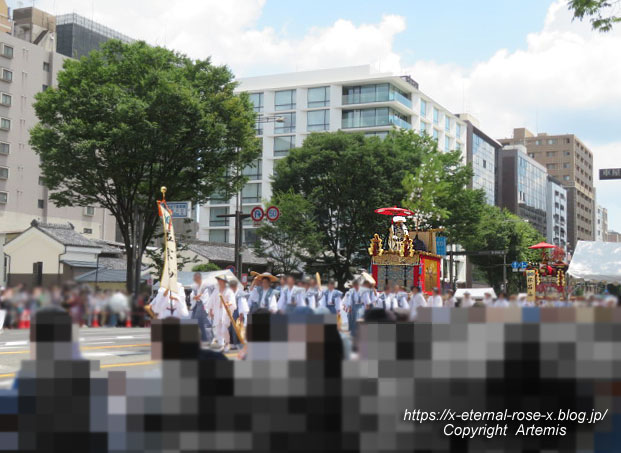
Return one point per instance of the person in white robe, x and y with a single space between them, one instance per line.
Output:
287 299
198 299
416 300
221 320
169 303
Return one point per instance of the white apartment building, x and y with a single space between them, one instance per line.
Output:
355 99
25 70
556 217
601 224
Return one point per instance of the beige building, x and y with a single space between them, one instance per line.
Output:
28 66
567 159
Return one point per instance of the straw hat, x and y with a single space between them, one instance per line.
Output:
267 275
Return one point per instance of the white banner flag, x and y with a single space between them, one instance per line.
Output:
169 273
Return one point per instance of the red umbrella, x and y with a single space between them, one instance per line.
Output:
394 211
542 245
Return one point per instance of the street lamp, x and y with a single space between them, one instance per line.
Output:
239 215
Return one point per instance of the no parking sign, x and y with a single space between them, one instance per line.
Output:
257 214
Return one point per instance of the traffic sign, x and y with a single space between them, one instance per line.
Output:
257 213
272 213
180 209
515 264
523 265
610 173
231 268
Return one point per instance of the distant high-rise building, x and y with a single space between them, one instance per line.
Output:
569 160
481 152
522 186
77 35
601 224
556 213
613 236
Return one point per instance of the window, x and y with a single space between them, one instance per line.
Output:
258 128
318 97
566 177
41 181
423 108
435 134
44 87
531 154
282 145
7 51
251 193
288 124
221 236
4 172
214 220
4 197
89 211
484 163
447 124
40 204
423 127
5 148
381 92
46 66
318 120
7 75
566 153
382 116
5 124
551 154
551 166
436 116
257 101
250 236
218 198
551 141
6 99
458 130
284 100
447 144
87 231
253 171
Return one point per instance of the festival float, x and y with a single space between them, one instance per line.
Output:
407 259
546 279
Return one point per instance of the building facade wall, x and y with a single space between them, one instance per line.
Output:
556 213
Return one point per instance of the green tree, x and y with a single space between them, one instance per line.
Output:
601 13
291 240
130 118
498 229
206 267
344 178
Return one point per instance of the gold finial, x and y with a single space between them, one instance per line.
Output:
163 190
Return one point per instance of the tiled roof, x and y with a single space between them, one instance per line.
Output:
219 252
65 234
106 275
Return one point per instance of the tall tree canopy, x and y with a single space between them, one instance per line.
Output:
130 118
603 14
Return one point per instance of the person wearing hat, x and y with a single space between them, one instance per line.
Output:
241 310
487 299
262 294
331 298
354 306
466 301
417 300
221 320
170 303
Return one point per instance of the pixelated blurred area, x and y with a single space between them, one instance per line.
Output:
295 390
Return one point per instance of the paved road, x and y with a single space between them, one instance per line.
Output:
115 348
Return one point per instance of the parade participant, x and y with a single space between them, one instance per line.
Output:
387 300
241 309
287 301
402 297
198 298
417 300
221 320
170 303
467 301
435 300
313 293
487 299
501 301
450 301
331 298
368 294
262 294
354 306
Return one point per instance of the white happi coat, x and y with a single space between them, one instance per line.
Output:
220 318
161 304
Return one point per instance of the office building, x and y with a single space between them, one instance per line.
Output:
25 70
569 160
522 186
601 224
77 35
354 99
556 213
613 236
481 152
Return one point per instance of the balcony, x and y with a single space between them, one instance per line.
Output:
353 119
367 94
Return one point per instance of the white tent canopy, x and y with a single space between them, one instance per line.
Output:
597 262
475 293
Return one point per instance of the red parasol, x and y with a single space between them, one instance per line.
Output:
394 211
542 245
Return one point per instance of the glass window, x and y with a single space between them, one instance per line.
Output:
257 101
221 236
89 211
5 148
318 97
551 154
4 197
374 117
423 108
458 130
436 116
287 125
551 141
219 198
5 124
423 127
251 193
214 220
435 134
4 172
258 128
253 171
40 204
44 87
318 120
282 145
447 144
7 75
6 99
250 236
284 100
46 66
447 124
7 51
